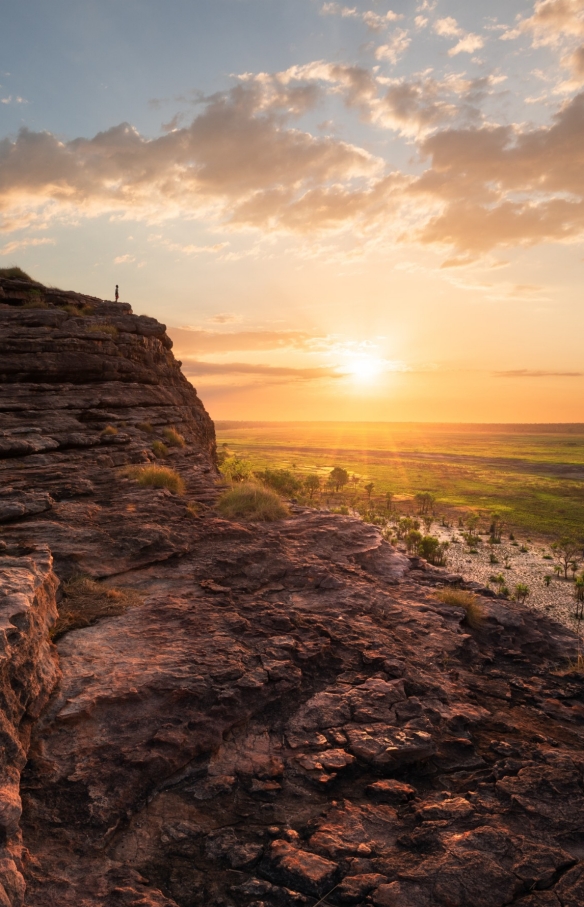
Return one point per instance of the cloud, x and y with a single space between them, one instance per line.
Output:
536 373
372 20
395 47
269 371
551 21
419 104
224 318
240 153
11 100
18 244
499 185
124 259
190 341
449 28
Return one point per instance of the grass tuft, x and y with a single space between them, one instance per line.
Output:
159 449
145 426
110 329
86 601
173 437
109 432
193 510
460 598
158 477
80 311
252 502
15 273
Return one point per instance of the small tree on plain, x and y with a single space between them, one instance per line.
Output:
312 484
566 550
338 477
369 489
521 592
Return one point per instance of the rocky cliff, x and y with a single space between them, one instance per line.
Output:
286 715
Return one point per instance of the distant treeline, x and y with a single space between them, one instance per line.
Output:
557 428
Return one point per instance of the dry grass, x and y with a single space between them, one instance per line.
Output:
252 502
173 437
145 426
158 477
86 601
15 273
459 598
110 329
35 304
160 449
193 510
109 432
576 665
81 311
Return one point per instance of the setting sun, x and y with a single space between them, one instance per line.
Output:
365 369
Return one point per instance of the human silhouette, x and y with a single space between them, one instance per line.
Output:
117 293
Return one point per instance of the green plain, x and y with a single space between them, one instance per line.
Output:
532 474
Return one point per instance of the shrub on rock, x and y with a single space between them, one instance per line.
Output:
159 477
460 598
251 502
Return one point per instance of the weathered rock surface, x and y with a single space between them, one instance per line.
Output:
289 716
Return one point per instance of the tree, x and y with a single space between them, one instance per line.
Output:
236 470
521 592
369 489
412 540
312 484
433 550
472 522
425 502
496 528
281 480
338 477
547 579
566 550
388 500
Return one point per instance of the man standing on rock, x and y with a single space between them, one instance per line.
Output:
117 293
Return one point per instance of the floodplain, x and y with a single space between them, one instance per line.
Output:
532 475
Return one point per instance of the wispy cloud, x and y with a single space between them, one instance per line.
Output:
372 20
269 371
19 244
189 341
536 373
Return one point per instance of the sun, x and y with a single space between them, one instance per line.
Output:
365 369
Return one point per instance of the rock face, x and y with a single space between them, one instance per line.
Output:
289 717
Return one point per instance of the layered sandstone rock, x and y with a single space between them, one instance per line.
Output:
289 716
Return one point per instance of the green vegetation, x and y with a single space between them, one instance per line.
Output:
524 478
459 598
15 273
252 502
159 449
86 601
173 437
158 477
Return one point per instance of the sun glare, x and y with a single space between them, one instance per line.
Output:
365 369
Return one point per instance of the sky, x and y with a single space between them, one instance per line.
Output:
368 211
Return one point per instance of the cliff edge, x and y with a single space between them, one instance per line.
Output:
280 714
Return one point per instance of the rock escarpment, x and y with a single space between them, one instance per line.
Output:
290 716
